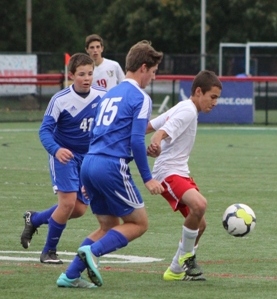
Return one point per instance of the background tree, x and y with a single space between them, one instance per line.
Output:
172 25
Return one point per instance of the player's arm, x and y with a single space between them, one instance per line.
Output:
149 128
140 157
154 149
156 123
139 150
46 135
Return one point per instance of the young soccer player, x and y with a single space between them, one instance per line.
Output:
107 73
175 133
118 138
64 133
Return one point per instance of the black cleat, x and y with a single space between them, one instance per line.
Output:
189 265
28 231
50 257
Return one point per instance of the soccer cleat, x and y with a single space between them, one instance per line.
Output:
28 231
65 282
171 276
189 265
90 261
50 257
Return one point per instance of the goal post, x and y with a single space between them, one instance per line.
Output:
247 54
225 45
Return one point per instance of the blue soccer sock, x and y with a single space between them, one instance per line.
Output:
55 231
39 218
112 241
77 266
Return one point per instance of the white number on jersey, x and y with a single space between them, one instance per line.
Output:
86 124
108 111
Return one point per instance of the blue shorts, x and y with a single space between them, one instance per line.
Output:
66 177
109 185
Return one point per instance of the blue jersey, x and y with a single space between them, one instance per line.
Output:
120 125
68 119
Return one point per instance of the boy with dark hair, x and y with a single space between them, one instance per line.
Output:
118 138
175 135
64 133
107 73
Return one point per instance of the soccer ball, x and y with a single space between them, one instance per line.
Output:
239 220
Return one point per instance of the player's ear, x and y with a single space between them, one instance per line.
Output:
144 68
71 75
198 91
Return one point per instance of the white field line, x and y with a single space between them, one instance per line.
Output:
110 258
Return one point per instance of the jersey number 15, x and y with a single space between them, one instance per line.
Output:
108 111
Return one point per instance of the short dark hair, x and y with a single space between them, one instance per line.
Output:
93 38
78 59
142 53
205 80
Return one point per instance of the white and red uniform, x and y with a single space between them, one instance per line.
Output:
108 74
171 167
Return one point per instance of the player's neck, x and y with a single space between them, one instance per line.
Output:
134 76
99 61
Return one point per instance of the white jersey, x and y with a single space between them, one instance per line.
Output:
108 74
180 123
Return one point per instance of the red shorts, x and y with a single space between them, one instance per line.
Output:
174 188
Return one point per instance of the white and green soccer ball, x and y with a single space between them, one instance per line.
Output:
239 220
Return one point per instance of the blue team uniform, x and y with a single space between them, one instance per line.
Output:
118 137
67 123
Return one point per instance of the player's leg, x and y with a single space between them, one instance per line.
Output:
115 194
112 196
197 207
56 225
175 189
133 226
66 179
78 266
175 271
32 221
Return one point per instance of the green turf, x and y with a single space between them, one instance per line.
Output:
229 163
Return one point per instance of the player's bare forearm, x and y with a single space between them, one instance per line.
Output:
149 128
158 136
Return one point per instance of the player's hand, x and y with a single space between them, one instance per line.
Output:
83 190
64 155
154 187
153 150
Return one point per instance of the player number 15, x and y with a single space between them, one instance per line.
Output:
108 111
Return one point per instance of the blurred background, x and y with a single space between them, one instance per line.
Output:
189 33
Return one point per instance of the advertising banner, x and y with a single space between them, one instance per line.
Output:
18 65
235 105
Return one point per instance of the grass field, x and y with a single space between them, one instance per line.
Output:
229 163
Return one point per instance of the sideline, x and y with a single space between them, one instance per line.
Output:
110 258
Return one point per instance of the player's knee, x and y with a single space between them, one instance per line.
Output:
66 207
145 226
78 211
199 208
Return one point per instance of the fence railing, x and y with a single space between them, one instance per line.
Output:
265 91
